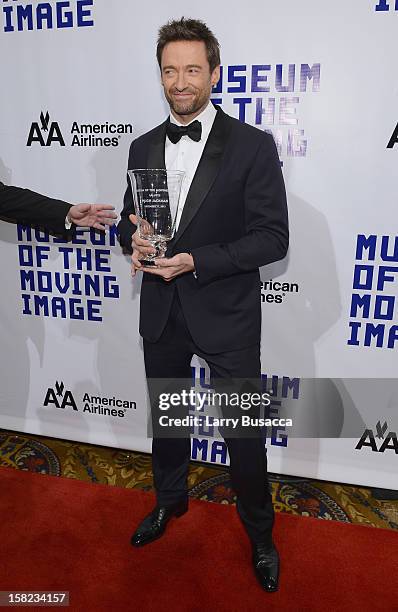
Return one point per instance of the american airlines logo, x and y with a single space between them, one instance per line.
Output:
60 397
46 133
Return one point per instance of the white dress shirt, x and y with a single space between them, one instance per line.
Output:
186 153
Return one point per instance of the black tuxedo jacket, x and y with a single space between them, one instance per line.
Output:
234 221
26 206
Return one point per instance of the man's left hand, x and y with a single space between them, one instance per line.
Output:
92 215
170 267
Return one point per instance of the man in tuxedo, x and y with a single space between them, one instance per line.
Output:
25 206
204 298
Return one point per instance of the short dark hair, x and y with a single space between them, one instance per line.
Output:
189 29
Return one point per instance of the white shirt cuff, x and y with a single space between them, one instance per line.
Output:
68 224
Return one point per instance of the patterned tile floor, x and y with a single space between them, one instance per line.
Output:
300 496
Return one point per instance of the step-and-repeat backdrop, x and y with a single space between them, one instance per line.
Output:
79 81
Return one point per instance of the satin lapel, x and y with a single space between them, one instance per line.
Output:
206 172
156 148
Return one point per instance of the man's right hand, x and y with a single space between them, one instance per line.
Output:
141 248
98 216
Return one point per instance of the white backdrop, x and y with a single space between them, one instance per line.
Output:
322 79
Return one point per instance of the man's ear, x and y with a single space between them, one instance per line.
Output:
215 76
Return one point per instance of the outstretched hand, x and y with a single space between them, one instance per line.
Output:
98 216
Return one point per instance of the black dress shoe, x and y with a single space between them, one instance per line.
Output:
266 566
153 526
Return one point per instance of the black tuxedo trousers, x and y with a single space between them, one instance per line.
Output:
170 358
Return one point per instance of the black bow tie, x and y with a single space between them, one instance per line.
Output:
175 132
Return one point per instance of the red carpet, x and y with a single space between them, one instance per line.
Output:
64 534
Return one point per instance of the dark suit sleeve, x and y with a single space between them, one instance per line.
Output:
125 228
25 206
267 235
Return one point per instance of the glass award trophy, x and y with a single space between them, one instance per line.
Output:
156 194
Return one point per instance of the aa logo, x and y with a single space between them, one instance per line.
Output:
389 440
59 397
45 133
